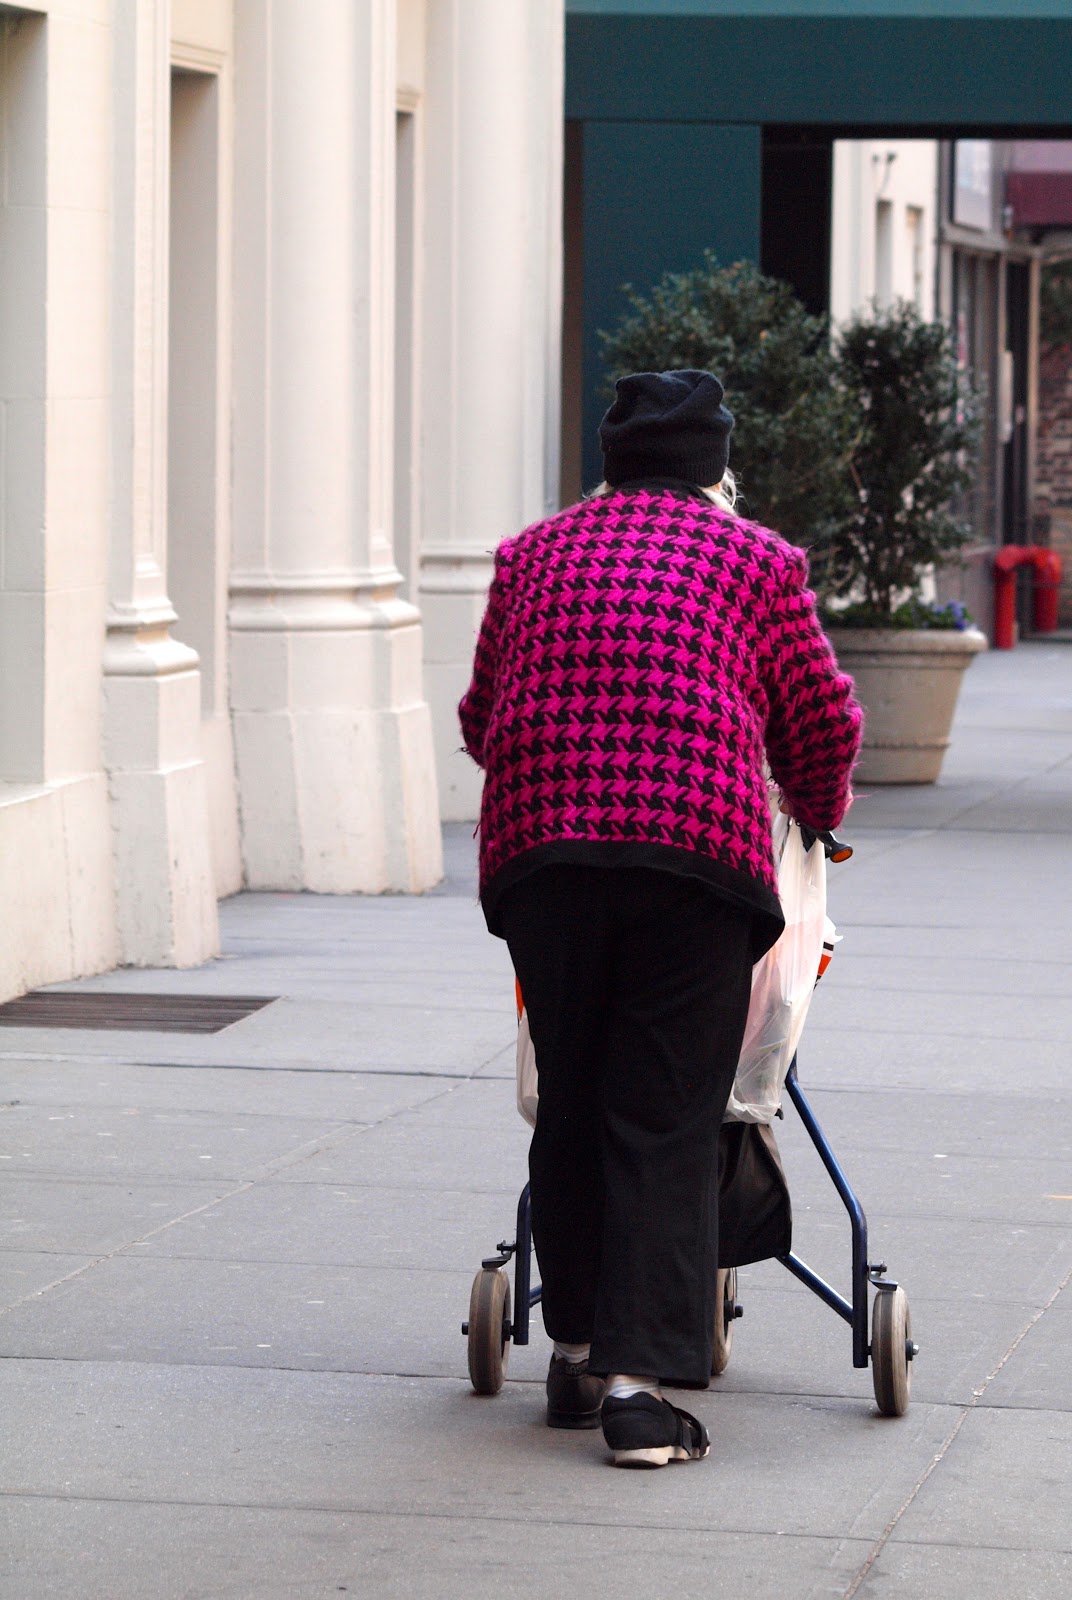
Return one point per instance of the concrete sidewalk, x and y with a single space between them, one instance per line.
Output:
235 1266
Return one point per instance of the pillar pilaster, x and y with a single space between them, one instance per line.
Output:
332 732
151 724
490 373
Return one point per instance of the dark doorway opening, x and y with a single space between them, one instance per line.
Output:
1016 529
795 212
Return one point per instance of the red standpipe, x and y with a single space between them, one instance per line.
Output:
1047 581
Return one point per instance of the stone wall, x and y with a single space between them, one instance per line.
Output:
1053 484
279 362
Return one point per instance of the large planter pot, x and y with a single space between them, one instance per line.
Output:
907 680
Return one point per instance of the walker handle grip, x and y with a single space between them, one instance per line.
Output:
833 849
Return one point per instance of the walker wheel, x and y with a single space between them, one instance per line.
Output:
891 1351
489 1330
725 1316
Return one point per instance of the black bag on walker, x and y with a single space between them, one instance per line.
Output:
755 1219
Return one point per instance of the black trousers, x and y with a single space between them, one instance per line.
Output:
636 983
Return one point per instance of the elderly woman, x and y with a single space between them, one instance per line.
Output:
644 657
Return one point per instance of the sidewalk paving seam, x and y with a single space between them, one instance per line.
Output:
1047 1041
98 1261
301 1507
961 993
370 1070
177 1116
1008 790
432 1516
873 1091
918 1215
837 1399
940 829
914 925
311 1148
229 1066
936 1461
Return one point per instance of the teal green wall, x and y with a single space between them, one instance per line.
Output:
669 90
1016 10
656 195
932 72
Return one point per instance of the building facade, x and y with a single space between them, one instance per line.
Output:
1039 196
279 345
884 225
935 223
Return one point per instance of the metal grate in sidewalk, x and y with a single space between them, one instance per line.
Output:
144 1013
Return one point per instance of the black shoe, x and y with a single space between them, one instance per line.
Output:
645 1432
574 1395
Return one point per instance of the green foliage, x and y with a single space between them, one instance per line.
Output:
855 448
914 456
796 424
1055 305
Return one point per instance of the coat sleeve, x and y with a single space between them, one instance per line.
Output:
814 723
474 709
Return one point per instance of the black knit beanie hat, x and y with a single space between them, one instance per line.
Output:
667 425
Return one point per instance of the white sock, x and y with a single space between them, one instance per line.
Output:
624 1385
573 1353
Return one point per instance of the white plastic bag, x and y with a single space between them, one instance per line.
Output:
528 1093
783 981
782 985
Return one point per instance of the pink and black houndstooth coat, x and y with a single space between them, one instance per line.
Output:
641 653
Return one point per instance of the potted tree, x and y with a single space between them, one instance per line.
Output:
855 447
796 422
913 457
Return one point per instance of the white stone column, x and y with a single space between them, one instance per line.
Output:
151 696
57 896
492 275
332 733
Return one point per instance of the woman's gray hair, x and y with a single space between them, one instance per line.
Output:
723 495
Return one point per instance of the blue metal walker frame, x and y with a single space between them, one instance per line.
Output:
864 1273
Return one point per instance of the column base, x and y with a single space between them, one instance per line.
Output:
164 877
333 745
165 883
59 920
